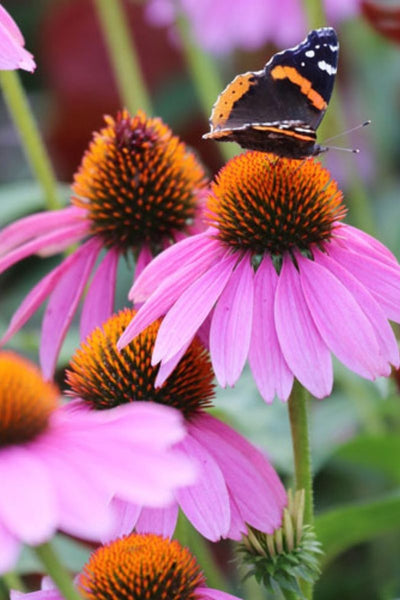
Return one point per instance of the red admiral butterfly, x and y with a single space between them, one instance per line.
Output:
279 108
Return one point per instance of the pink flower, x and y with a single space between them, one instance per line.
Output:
236 486
61 465
284 282
220 26
157 206
12 52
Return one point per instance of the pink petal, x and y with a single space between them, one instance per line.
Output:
206 503
200 250
381 279
125 516
192 307
269 368
12 53
62 237
145 257
27 501
9 550
99 302
158 520
305 352
340 320
359 241
210 594
231 324
166 367
63 303
36 225
383 332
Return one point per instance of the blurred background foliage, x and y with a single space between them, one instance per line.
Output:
355 433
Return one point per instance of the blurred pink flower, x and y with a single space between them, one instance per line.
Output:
61 465
159 206
286 284
12 52
220 26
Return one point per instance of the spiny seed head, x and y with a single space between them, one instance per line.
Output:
104 377
141 567
138 182
26 400
269 205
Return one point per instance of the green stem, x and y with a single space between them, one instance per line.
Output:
205 77
24 121
127 71
298 416
57 572
13 581
315 13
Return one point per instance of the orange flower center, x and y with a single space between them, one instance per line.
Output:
26 400
104 377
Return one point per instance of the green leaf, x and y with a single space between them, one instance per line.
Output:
374 451
72 554
341 528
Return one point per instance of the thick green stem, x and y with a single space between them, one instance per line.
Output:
32 143
205 77
57 572
126 66
13 581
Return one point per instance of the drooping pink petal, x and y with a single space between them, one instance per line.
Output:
166 367
62 237
42 594
248 474
63 303
384 334
145 257
158 520
269 368
231 324
200 250
192 307
12 52
305 352
381 279
126 515
206 503
9 549
99 302
37 225
211 594
339 319
35 521
359 241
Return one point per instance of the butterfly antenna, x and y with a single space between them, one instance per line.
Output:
348 131
353 150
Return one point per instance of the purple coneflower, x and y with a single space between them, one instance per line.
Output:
138 189
60 466
236 486
138 567
285 283
12 52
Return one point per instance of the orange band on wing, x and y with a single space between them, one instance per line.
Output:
232 93
298 136
281 72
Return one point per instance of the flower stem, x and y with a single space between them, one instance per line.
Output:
13 581
127 71
298 415
205 77
57 572
315 13
24 121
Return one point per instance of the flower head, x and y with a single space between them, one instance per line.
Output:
285 282
12 52
60 465
141 567
231 472
138 190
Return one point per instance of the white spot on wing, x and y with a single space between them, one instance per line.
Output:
324 66
303 64
310 53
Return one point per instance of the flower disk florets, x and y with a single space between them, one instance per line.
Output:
104 377
269 205
26 400
141 567
138 182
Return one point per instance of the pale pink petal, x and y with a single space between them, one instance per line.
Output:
361 242
10 25
63 303
210 594
206 503
341 322
200 250
35 520
236 527
12 52
145 257
125 516
62 237
187 314
158 520
43 594
269 368
36 225
166 367
384 334
9 549
99 302
381 279
305 352
231 324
